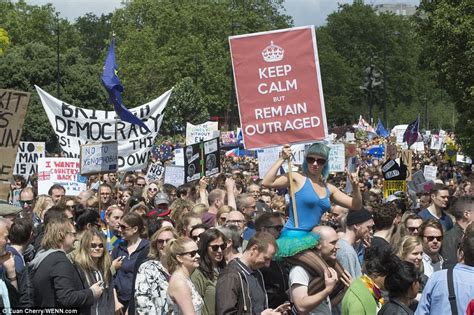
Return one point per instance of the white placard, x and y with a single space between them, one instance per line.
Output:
463 159
337 157
174 175
179 157
418 146
266 158
154 173
436 142
62 171
27 158
430 172
200 133
350 136
99 158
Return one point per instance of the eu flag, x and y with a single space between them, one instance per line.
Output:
381 131
411 133
114 87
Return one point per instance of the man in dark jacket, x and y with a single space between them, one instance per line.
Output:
55 280
240 287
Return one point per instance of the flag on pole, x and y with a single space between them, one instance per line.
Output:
114 87
411 133
381 131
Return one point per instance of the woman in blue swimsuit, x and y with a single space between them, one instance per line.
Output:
313 197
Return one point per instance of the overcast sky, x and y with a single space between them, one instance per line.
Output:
304 12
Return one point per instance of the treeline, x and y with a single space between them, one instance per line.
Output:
184 44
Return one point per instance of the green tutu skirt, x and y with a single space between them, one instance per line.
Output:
292 242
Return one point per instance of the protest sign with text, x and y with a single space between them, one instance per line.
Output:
27 157
429 172
13 105
337 158
200 133
62 171
278 87
174 175
154 173
97 158
77 126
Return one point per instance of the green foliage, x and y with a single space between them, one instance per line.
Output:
185 105
355 37
4 40
446 28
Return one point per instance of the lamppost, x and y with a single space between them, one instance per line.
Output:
58 75
372 80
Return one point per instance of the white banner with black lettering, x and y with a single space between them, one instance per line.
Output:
76 126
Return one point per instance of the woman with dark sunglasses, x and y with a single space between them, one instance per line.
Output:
149 193
312 195
93 262
182 259
212 244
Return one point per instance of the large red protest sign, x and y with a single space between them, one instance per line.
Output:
278 87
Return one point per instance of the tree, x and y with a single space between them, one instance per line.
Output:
94 32
185 105
22 67
447 31
4 40
161 42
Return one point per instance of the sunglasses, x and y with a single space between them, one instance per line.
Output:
28 202
432 238
152 189
215 248
191 254
413 228
99 245
311 160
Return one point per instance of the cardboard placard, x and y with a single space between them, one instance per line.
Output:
200 133
174 175
62 171
99 158
13 105
429 172
337 158
26 163
154 173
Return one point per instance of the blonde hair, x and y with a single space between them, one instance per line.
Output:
43 203
223 209
199 208
175 247
153 253
55 232
407 245
84 260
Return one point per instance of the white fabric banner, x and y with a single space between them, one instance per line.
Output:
75 126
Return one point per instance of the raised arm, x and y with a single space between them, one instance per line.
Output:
271 179
340 198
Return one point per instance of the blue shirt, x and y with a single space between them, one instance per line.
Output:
435 294
445 219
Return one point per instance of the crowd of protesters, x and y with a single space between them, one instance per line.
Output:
233 244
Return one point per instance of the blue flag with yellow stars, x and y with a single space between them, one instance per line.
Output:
114 87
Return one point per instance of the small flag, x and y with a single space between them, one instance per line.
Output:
381 131
411 133
114 87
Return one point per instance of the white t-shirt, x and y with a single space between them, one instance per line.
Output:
299 276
